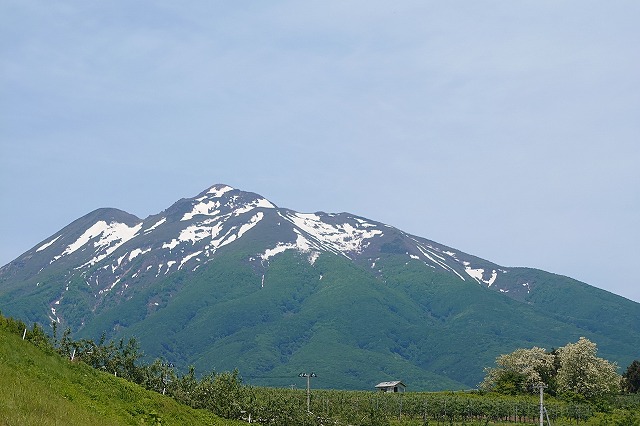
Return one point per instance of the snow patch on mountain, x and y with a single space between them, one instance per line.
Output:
313 257
112 235
45 245
302 245
213 228
227 238
211 204
95 230
279 248
478 274
155 225
365 224
429 252
342 238
136 252
195 233
208 208
252 222
188 257
260 202
218 191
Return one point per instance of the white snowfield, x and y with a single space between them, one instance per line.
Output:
155 225
109 236
340 238
302 245
343 239
478 274
45 245
204 208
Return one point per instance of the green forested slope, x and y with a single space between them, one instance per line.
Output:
351 324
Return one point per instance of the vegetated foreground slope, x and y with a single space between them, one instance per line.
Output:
228 280
40 388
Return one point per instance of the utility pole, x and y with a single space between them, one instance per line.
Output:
541 386
308 376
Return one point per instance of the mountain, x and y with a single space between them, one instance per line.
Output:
227 280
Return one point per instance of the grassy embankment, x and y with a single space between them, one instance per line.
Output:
41 388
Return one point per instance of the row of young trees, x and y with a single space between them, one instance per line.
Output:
574 371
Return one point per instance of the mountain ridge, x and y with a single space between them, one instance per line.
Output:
225 259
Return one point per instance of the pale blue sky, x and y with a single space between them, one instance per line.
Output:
508 130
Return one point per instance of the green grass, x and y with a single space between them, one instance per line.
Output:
41 388
38 387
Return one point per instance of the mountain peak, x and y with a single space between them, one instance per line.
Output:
216 191
221 198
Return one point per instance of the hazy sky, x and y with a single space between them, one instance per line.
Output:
505 129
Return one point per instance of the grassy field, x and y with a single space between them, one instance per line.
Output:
38 387
41 388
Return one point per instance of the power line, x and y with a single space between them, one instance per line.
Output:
268 377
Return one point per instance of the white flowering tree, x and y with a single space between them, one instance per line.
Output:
582 372
573 369
518 371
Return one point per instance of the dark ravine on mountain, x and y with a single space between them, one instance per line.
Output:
229 280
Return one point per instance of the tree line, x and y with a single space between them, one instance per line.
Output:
574 374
